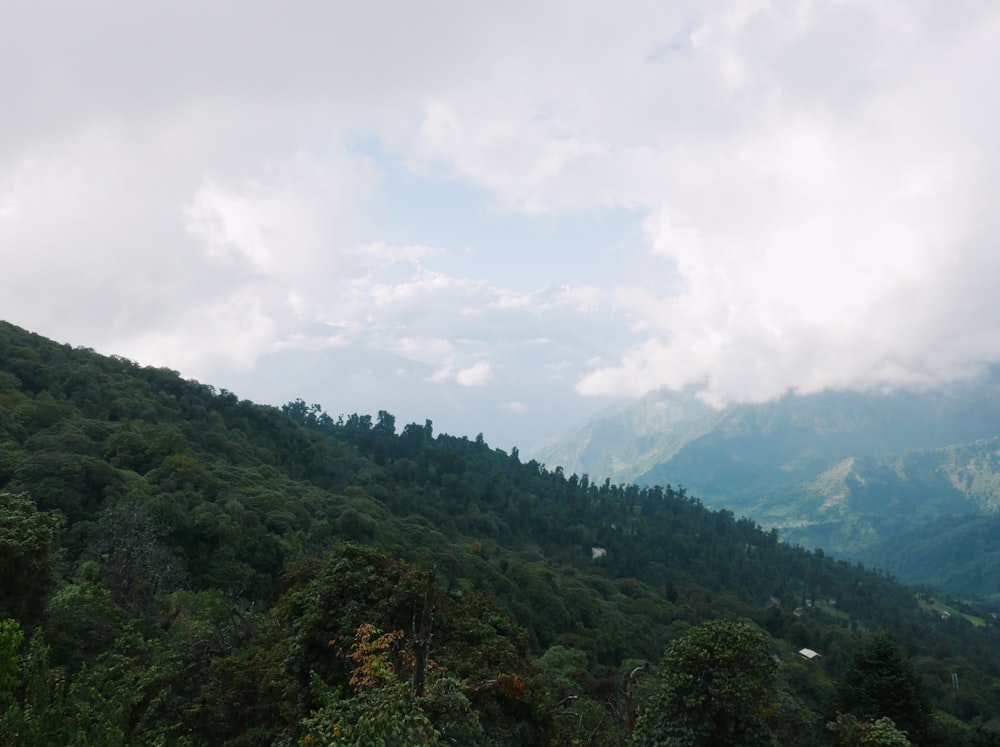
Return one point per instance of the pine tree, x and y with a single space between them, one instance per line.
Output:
879 682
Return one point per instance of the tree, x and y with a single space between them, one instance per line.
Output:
851 732
81 620
879 682
136 562
11 637
571 715
715 688
383 712
97 707
29 548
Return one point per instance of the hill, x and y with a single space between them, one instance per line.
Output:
179 566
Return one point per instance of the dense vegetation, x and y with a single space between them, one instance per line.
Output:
178 566
958 552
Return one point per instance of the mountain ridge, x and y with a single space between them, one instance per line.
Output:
838 470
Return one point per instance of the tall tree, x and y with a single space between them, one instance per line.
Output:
715 689
137 563
29 548
879 682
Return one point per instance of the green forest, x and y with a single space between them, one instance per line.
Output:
182 567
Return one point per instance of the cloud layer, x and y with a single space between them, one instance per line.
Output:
809 189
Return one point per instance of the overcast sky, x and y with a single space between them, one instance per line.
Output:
504 216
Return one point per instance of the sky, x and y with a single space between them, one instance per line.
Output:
505 217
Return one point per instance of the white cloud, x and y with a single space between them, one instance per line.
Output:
239 327
840 245
441 375
300 341
429 350
475 375
513 406
508 300
814 183
381 253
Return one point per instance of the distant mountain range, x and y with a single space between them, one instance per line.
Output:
851 472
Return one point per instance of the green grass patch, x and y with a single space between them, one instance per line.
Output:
938 606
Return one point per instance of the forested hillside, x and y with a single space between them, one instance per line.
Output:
181 567
959 552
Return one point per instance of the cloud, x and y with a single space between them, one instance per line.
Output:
823 211
811 186
281 223
239 326
476 375
513 406
865 268
108 244
431 351
301 341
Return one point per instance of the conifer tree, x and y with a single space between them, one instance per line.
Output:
879 682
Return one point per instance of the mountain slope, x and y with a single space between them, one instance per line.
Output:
838 469
204 570
960 553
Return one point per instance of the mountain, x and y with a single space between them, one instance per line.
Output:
180 566
838 470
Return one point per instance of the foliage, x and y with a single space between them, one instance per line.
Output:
385 710
82 622
882 732
880 683
137 565
382 717
11 638
29 548
715 688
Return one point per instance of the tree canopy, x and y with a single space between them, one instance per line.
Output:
879 683
715 688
